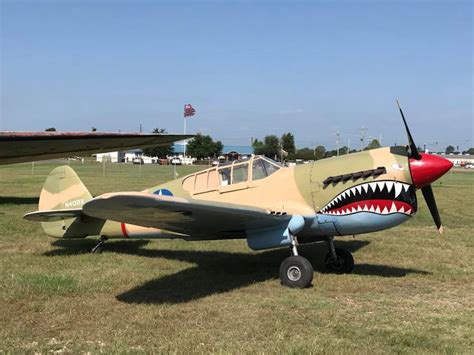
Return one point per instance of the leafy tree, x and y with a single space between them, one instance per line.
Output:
270 146
257 146
159 151
343 150
319 152
305 154
374 144
202 146
449 149
288 143
50 129
470 151
94 129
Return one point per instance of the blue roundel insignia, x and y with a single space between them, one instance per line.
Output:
163 192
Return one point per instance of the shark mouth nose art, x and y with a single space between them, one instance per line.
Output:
381 197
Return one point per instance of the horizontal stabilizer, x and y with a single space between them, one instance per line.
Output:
53 215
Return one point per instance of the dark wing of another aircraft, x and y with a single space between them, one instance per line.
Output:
18 147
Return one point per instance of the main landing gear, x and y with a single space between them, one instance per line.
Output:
297 272
98 247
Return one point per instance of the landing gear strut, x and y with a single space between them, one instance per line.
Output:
296 271
339 261
98 247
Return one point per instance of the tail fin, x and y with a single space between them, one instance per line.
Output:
63 190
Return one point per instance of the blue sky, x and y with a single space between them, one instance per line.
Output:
249 68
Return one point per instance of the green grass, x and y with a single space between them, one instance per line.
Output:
412 290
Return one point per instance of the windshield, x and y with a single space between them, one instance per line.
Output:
263 167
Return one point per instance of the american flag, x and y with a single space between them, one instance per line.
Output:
189 110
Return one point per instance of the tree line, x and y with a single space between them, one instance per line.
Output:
284 148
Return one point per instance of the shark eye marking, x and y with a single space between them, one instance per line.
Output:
354 176
381 197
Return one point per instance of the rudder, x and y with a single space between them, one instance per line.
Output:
62 190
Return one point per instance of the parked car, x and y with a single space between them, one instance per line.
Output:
137 160
176 161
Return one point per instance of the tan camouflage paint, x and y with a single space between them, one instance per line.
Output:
64 190
294 190
278 193
299 190
397 167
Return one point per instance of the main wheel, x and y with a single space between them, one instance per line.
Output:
344 264
296 272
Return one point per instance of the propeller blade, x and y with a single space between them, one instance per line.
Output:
413 150
431 202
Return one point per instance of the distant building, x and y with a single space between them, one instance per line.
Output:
459 159
236 152
124 157
230 152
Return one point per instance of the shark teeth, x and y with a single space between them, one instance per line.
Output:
373 186
398 189
393 209
394 188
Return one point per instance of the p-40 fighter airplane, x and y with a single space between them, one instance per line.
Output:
270 205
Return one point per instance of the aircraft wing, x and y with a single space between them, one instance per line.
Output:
206 220
18 147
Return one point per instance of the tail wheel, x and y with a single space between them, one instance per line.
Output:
296 272
342 264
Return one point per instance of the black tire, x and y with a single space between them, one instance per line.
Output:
344 263
296 272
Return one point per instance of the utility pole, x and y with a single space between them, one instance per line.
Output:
140 128
348 145
337 142
363 132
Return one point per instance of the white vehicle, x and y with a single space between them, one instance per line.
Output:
176 161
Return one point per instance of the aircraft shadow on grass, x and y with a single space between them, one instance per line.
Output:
216 271
16 200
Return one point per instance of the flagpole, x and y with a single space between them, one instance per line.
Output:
184 143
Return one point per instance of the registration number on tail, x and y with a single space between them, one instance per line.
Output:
74 203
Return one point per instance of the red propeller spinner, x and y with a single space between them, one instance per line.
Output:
428 168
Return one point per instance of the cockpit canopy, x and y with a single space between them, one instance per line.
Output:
238 172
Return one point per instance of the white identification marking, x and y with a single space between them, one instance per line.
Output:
74 203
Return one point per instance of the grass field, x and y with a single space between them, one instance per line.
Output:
411 291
